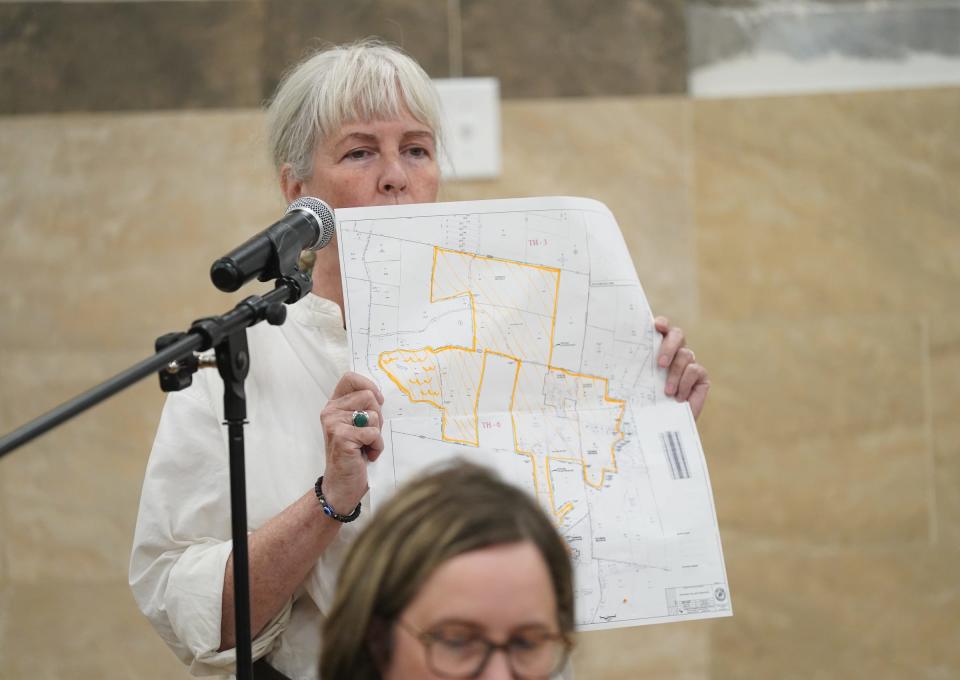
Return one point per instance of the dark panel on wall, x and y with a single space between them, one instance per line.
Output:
295 27
549 48
100 56
116 56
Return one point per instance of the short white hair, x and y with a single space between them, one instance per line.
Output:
362 81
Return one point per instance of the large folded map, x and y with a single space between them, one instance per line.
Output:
516 334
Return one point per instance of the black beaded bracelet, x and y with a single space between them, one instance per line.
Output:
328 509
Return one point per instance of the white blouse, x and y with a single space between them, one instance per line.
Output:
182 539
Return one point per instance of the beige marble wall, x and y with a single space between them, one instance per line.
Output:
108 225
809 246
828 250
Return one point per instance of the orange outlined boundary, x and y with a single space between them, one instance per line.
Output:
561 512
383 361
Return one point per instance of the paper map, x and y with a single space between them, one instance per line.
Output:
516 334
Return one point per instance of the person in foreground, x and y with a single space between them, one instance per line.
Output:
356 125
459 575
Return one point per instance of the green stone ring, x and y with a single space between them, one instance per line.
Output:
361 419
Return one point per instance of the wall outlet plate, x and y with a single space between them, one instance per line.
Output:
471 127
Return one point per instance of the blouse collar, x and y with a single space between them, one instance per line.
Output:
318 312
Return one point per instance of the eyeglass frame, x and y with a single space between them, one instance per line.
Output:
428 639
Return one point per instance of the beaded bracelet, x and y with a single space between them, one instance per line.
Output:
328 509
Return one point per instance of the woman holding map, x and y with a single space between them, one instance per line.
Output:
355 126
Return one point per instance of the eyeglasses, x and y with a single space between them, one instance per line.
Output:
456 650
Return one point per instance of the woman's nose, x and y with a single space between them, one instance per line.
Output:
393 178
497 668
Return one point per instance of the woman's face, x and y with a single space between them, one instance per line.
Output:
375 163
502 593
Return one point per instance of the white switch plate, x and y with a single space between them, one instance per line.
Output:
471 127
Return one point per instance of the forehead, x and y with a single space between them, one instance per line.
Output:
499 588
402 125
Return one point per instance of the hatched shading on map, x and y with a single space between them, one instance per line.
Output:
448 378
513 304
515 334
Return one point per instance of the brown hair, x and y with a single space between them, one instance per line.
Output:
455 510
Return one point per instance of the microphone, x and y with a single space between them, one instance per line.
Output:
308 224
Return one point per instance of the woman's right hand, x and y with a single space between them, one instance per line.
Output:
348 447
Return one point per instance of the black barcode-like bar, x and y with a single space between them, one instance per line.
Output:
673 450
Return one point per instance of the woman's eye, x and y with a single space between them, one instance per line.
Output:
457 642
456 638
357 154
529 641
525 643
418 152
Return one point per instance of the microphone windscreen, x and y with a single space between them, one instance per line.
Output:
324 216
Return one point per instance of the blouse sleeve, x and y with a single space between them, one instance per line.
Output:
182 539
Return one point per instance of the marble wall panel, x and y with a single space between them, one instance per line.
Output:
832 376
3 553
812 427
549 49
109 244
81 632
294 27
95 56
680 651
631 154
828 205
803 611
944 395
759 3
70 497
6 622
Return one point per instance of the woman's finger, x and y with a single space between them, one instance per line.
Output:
692 374
683 358
373 417
354 382
349 439
698 396
362 400
672 342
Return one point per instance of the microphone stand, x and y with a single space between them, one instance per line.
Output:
176 362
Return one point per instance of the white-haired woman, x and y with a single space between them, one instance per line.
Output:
353 125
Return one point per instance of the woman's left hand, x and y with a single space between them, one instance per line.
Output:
686 379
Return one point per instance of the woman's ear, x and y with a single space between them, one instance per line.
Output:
292 188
